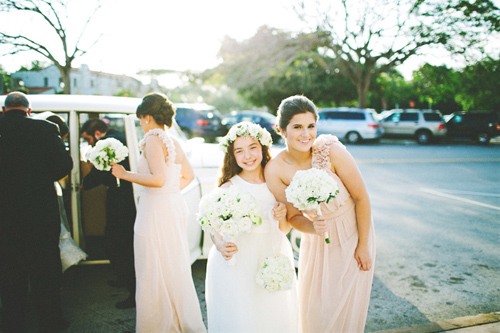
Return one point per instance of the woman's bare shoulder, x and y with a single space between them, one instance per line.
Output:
276 162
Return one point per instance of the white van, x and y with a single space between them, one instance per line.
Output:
351 125
86 209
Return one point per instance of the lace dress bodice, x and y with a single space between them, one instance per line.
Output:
321 160
172 170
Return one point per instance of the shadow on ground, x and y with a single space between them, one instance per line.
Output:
388 310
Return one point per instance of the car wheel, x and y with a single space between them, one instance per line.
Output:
352 137
483 138
423 137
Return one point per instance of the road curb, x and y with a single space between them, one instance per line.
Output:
449 325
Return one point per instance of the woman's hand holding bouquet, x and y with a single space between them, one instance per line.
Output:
308 189
105 152
228 211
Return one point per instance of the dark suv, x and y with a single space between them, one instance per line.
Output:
200 120
480 126
264 119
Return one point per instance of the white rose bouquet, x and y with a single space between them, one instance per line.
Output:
105 152
309 188
229 211
276 273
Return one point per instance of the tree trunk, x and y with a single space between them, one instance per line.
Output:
362 86
66 80
65 71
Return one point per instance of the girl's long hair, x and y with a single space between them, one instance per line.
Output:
230 168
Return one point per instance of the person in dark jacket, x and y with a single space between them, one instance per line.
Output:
32 157
120 212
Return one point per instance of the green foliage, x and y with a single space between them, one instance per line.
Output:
437 87
273 65
5 81
126 93
36 66
480 86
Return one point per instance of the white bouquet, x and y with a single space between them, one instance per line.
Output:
276 273
229 211
105 152
309 188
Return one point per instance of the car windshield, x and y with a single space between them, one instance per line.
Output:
432 116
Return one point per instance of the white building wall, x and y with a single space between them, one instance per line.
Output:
83 81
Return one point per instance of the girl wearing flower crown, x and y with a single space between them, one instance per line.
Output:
334 279
235 300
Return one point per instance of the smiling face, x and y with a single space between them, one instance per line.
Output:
248 153
300 133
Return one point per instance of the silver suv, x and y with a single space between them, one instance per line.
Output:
350 124
422 125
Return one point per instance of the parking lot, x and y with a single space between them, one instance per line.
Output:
436 212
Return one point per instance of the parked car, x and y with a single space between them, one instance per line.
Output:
86 209
264 119
424 126
480 126
350 124
200 120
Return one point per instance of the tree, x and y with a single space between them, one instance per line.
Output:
369 37
390 91
51 14
274 64
35 67
4 81
480 86
437 87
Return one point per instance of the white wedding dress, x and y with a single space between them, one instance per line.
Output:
235 302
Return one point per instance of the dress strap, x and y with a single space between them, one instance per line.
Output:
165 138
321 151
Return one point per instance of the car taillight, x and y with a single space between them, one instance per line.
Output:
202 122
441 126
373 125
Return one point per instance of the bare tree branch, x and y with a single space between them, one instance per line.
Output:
50 12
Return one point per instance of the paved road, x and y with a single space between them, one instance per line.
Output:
437 213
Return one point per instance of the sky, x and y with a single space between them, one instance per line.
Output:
158 34
161 34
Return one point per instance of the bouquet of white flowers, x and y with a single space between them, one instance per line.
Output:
105 152
309 188
229 211
276 273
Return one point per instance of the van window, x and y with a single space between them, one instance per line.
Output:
432 116
355 115
408 116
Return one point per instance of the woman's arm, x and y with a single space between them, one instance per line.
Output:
155 156
279 211
295 218
345 167
226 249
187 172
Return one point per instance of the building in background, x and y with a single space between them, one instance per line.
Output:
83 82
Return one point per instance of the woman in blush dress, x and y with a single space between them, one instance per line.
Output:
166 297
334 279
235 301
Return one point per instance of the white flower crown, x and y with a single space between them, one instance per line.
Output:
246 129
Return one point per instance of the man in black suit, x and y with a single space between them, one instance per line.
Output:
32 157
120 212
